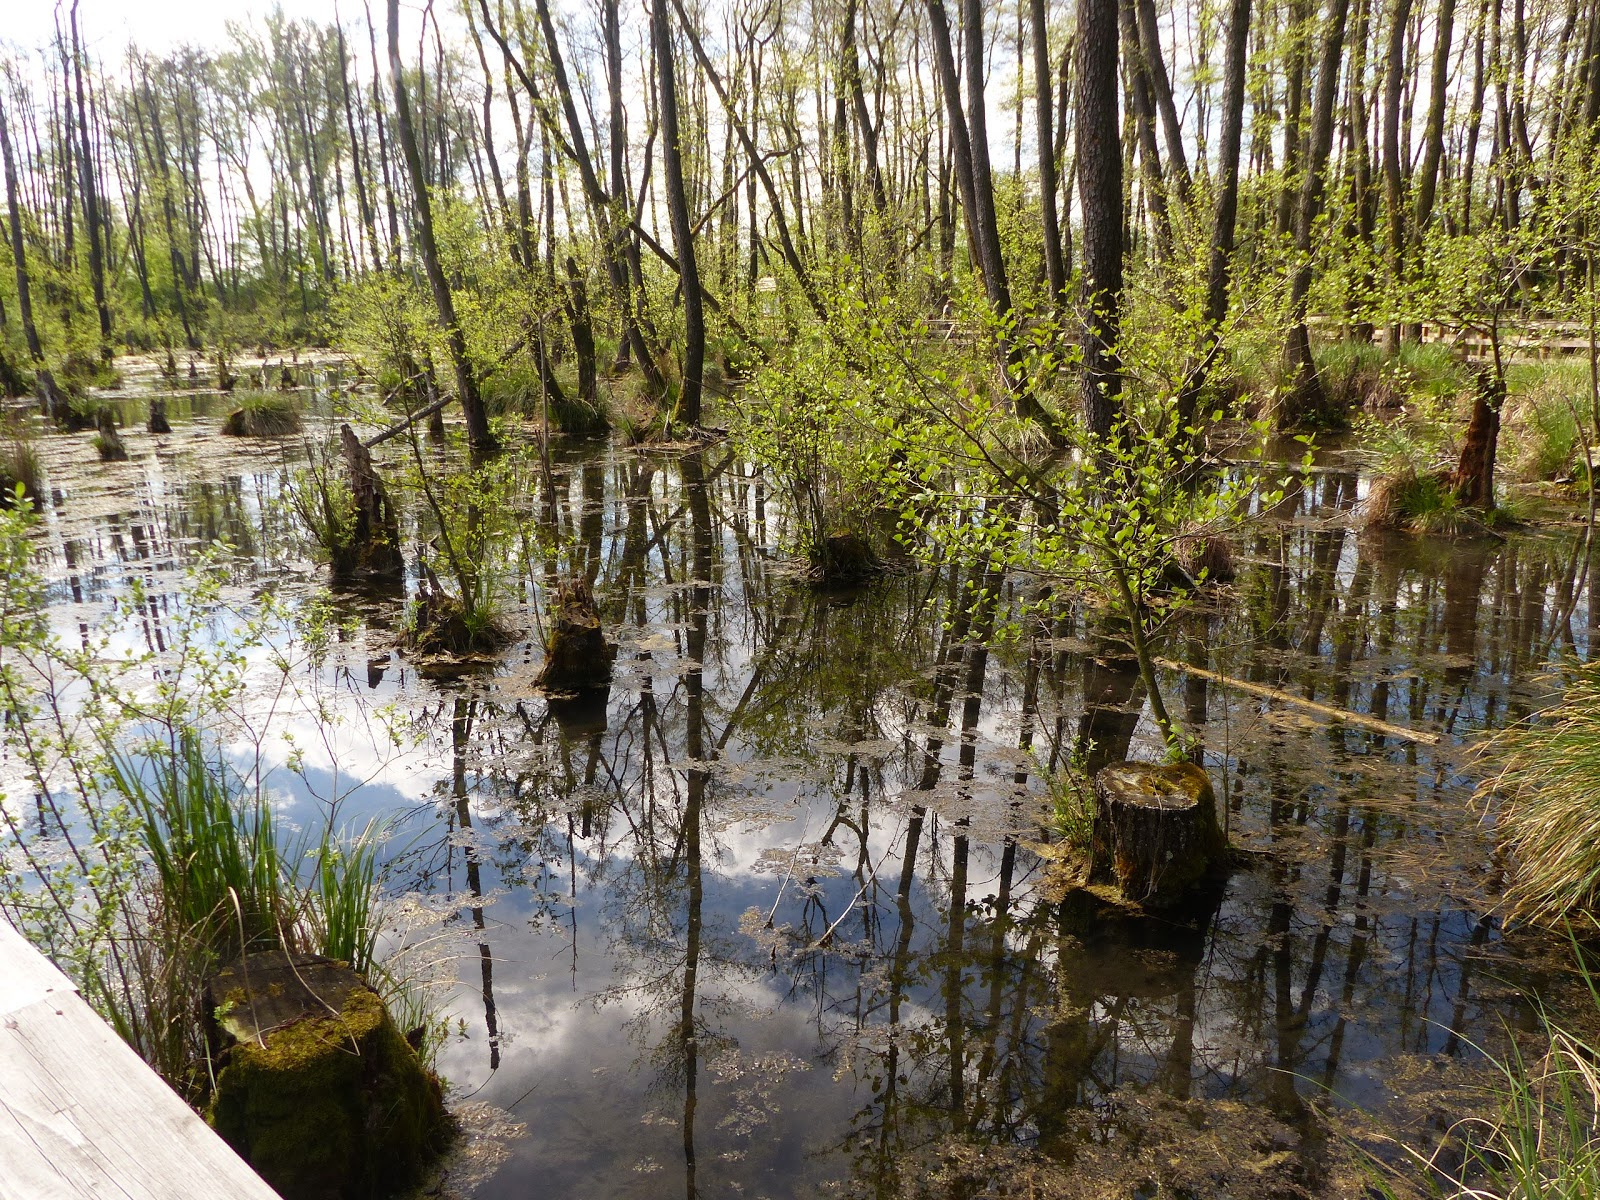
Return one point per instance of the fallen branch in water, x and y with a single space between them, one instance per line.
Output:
421 414
1326 710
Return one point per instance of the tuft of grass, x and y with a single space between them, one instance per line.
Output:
224 879
1420 503
1544 787
263 414
1429 371
216 859
20 468
1071 807
517 389
1540 1135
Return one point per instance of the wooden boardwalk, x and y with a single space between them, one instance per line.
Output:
82 1115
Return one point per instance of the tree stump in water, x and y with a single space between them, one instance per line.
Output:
158 422
373 544
318 1090
108 441
1474 474
1156 835
577 655
844 560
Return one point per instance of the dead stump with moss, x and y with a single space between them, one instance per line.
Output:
263 416
318 1090
371 545
1156 838
577 657
108 441
844 560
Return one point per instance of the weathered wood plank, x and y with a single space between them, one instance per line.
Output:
26 976
81 1115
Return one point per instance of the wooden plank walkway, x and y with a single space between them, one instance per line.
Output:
82 1115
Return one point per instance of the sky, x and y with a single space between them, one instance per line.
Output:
158 25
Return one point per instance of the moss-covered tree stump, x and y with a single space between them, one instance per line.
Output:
318 1090
843 560
1156 836
577 655
108 441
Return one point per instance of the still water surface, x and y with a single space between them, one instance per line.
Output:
775 918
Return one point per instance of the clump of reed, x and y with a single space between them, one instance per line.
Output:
20 468
1544 421
1543 786
224 878
519 389
1420 503
263 415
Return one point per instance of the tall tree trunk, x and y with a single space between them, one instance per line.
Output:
1433 133
87 180
1226 214
50 398
1142 104
1394 187
1044 129
988 228
1099 167
1305 394
694 322
1161 89
479 436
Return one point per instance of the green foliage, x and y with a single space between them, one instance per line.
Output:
1071 794
1549 418
517 388
319 496
814 425
882 418
459 609
1416 441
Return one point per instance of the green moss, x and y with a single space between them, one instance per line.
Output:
331 1107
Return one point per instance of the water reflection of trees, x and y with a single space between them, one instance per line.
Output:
889 743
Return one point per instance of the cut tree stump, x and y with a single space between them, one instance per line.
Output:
318 1090
1156 836
577 655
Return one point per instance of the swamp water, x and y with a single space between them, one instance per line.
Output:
775 919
